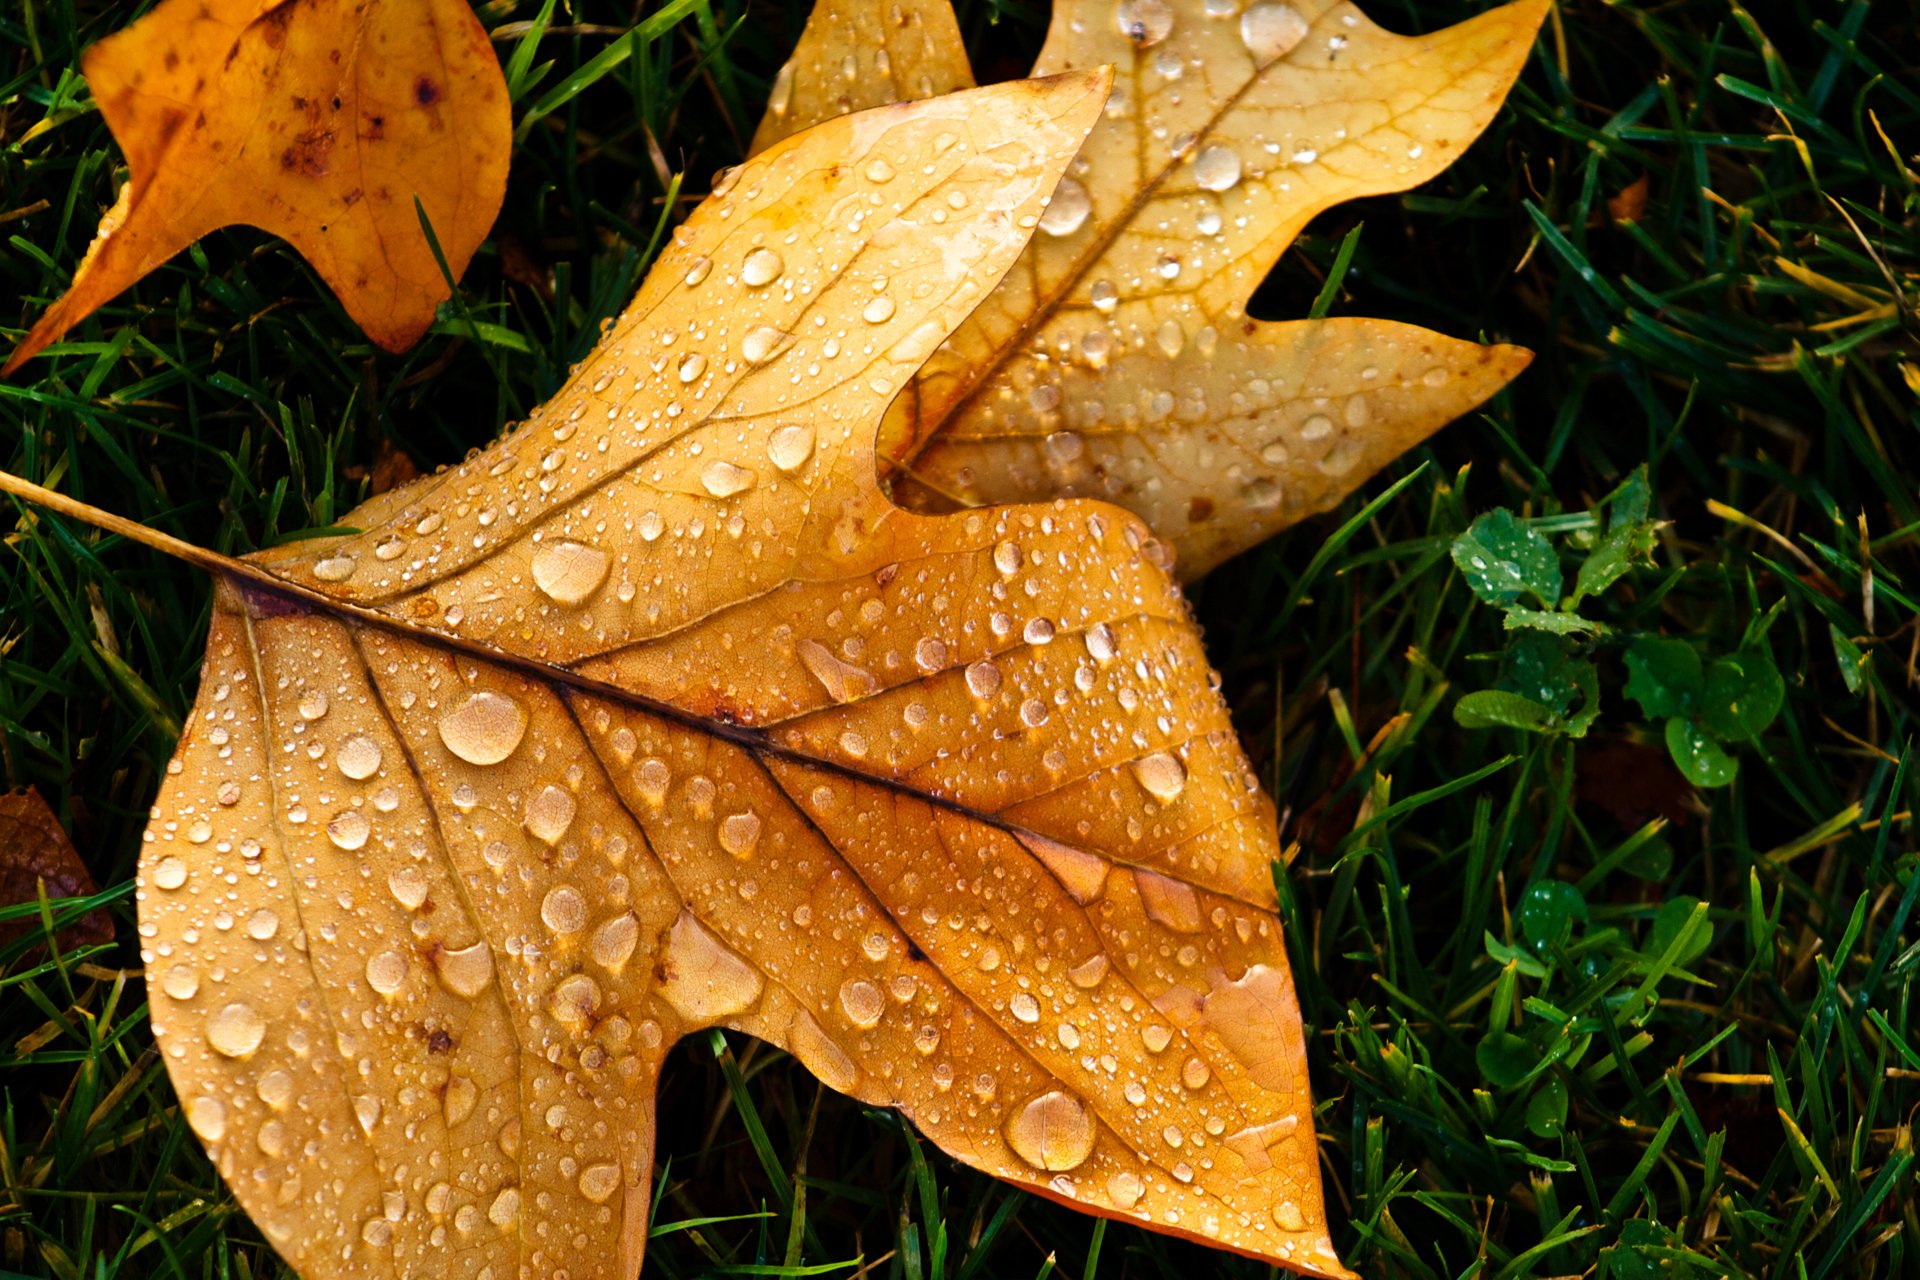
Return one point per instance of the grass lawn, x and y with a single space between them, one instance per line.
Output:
1571 1014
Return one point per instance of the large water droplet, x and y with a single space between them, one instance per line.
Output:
1054 1132
170 872
762 266
598 1182
723 479
1162 776
1024 1007
334 568
878 311
349 830
1270 31
789 447
236 1030
1125 1189
563 909
739 833
408 885
614 941
704 979
549 813
358 757
1068 210
181 982
569 572
485 729
1144 22
862 1002
387 972
983 679
759 344
1216 168
208 1116
466 972
458 1101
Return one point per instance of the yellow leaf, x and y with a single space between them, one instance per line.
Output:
658 716
856 54
320 121
1117 360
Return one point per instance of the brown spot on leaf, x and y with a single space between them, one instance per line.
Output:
425 91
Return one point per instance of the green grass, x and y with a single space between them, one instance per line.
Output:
1711 1071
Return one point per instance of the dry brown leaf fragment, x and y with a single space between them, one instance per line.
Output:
1117 359
320 121
855 54
658 716
34 852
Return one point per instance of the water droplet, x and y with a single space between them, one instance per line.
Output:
569 572
334 568
549 813
1436 376
1270 31
1104 296
983 679
930 654
387 972
458 1101
564 910
614 941
408 886
1144 22
1216 168
878 311
1087 974
760 344
723 479
349 830
1038 631
697 271
1156 1037
181 982
1054 1132
236 1031
313 704
170 873
651 778
1195 1074
1316 428
263 924
575 999
485 729
739 833
879 171
862 1002
1024 1007
1100 642
466 972
704 979
358 757
598 1182
763 266
505 1209
1262 493
1162 776
208 1116
1068 210
1125 1189
275 1088
1287 1216
789 447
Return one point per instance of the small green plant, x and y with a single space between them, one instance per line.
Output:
1549 684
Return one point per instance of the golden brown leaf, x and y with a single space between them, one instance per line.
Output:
35 851
320 121
657 716
856 54
1117 360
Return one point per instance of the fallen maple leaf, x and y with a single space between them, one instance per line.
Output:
320 121
35 851
657 716
1117 360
